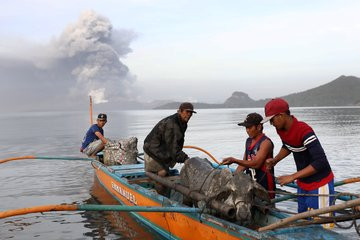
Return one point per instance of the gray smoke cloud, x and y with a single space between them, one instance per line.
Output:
83 60
94 49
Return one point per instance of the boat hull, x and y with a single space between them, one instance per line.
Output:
175 225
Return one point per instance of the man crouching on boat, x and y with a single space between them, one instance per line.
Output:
94 140
163 145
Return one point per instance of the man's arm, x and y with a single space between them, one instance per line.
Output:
283 153
312 143
101 137
308 171
257 161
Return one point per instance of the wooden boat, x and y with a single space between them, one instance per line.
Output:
121 223
129 185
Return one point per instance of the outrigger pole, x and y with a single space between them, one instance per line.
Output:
286 221
45 157
94 207
336 184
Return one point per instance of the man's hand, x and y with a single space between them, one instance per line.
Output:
270 163
285 179
227 161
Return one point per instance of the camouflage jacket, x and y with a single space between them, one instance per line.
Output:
165 141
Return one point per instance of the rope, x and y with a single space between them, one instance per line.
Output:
349 212
208 200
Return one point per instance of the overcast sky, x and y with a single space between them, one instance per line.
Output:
164 49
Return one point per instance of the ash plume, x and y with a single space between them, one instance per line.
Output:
83 60
94 51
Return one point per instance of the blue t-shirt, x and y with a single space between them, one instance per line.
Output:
90 135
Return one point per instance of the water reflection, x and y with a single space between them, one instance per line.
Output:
113 224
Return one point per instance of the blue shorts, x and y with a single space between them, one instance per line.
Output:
306 203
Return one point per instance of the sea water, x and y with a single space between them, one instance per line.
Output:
28 183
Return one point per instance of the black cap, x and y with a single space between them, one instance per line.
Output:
187 107
251 120
102 116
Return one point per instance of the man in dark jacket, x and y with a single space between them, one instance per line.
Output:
163 145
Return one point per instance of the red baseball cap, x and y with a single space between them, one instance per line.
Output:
274 107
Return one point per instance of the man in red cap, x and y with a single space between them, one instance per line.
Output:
314 175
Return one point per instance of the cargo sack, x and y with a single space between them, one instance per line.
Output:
118 152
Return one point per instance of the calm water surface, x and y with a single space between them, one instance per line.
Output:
41 182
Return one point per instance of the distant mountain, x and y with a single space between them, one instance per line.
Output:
343 91
241 100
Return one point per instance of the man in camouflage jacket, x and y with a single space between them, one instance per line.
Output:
163 145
